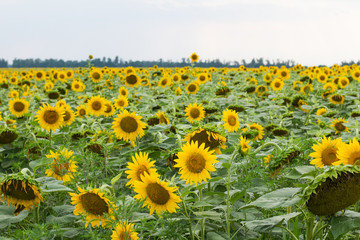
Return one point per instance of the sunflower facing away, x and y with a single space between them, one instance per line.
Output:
50 118
158 195
20 192
194 112
195 162
231 119
259 128
124 231
349 153
18 107
96 105
63 165
92 204
127 126
338 125
140 165
162 117
211 139
325 152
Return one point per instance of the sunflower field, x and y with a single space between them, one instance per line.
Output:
180 153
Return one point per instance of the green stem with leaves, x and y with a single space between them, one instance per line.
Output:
228 187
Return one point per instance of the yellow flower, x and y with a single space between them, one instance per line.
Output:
162 117
195 162
231 119
325 152
244 144
339 126
63 165
212 140
18 107
194 57
277 84
50 118
321 111
94 206
96 105
158 195
349 153
124 231
140 165
127 126
194 112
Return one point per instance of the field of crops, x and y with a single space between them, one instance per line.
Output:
180 153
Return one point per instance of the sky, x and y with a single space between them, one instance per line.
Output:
310 32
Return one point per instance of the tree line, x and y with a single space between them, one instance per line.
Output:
118 62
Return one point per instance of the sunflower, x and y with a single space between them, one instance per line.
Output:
176 77
158 195
14 80
48 86
343 82
96 75
195 162
192 88
244 145
178 91
132 80
92 204
140 165
69 116
339 126
211 139
81 111
127 126
268 158
164 82
63 165
284 73
337 99
306 89
50 118
162 117
322 78
123 91
260 130
321 111
39 75
194 112
20 192
277 84
124 231
96 105
231 119
61 76
110 109
121 102
194 57
261 89
77 85
349 153
267 77
202 78
325 152
18 107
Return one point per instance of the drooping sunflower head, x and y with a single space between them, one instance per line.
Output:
94 205
195 162
194 112
141 164
162 117
21 192
211 138
325 152
321 111
127 126
18 107
50 118
338 125
231 119
337 99
158 195
96 105
259 128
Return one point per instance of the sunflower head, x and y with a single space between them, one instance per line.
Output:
124 231
127 126
338 125
231 119
326 152
141 164
50 118
18 107
20 191
94 205
194 57
194 112
210 137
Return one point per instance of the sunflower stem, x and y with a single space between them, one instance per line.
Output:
266 145
228 186
50 139
188 216
202 221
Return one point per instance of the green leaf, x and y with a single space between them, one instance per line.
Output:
199 204
39 163
209 214
266 225
7 216
70 218
116 178
49 184
214 236
308 172
284 197
344 223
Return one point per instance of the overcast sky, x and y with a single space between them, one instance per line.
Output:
310 32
